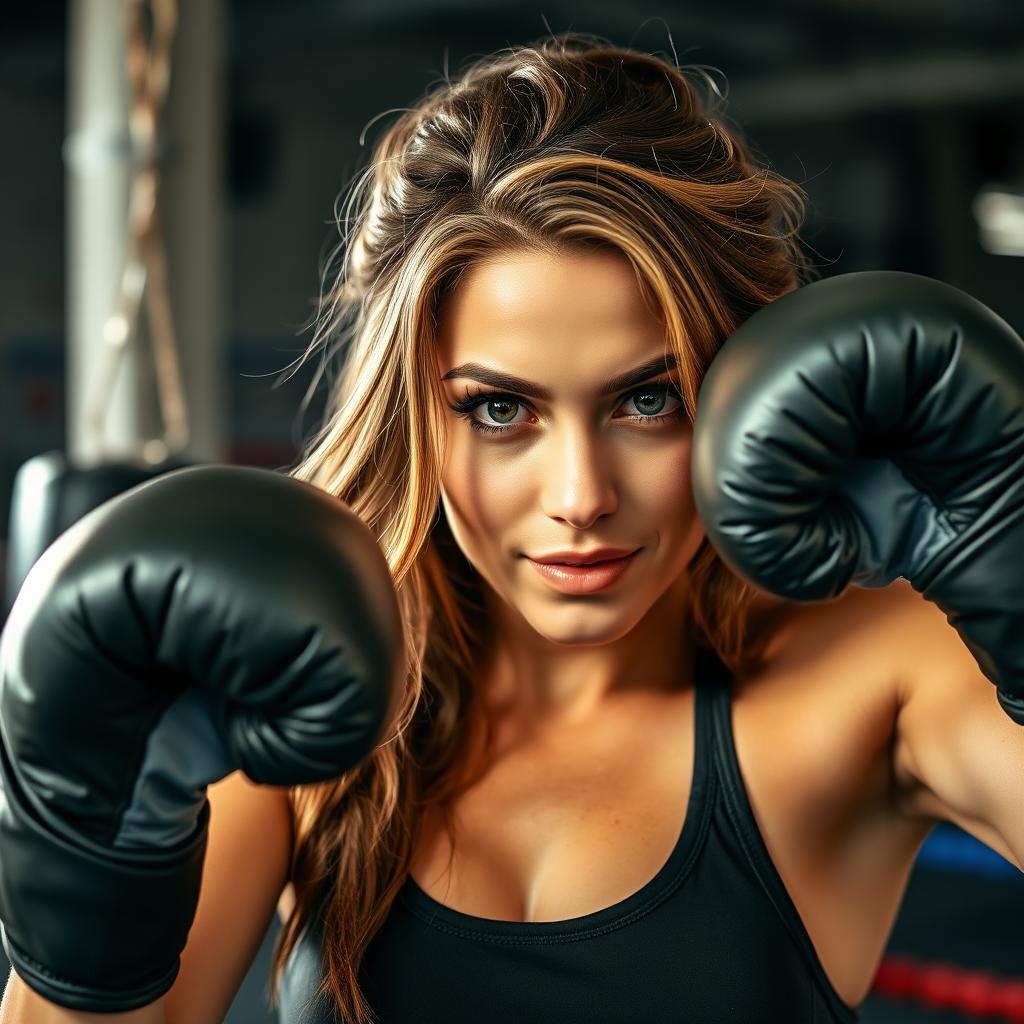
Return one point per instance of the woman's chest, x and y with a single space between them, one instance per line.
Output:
561 829
566 825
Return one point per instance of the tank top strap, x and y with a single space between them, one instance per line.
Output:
735 804
710 679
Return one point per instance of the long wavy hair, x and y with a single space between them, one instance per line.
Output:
555 146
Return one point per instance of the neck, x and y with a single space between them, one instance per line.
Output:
539 681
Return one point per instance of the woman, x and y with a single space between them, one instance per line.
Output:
526 238
639 791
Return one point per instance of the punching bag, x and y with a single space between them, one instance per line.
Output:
50 494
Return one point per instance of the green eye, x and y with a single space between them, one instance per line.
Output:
466 406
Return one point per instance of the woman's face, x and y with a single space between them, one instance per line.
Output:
565 466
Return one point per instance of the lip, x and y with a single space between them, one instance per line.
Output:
584 579
585 557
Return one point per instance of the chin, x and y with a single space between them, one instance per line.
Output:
583 627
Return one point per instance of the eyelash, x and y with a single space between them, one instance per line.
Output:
473 399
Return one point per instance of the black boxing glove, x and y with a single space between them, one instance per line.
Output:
867 427
216 618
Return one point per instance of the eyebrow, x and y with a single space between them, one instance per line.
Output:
505 381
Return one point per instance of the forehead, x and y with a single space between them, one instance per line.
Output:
531 309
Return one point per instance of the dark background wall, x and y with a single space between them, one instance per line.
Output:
893 114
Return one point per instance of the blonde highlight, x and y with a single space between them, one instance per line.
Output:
568 142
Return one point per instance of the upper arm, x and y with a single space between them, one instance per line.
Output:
248 856
957 756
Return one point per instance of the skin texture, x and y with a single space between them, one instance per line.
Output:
575 471
580 805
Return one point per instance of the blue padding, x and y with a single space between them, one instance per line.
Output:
949 848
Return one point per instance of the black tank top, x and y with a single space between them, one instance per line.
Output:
712 938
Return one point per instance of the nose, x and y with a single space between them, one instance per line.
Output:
579 482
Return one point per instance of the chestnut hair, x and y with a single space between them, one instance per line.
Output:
566 143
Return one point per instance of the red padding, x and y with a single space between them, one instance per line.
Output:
948 987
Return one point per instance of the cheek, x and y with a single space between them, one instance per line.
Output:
661 492
661 481
480 490
477 498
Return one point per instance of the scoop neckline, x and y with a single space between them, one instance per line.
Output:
665 881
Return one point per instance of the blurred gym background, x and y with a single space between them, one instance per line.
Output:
903 120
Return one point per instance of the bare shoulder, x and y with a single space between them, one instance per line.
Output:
248 860
806 631
815 733
829 696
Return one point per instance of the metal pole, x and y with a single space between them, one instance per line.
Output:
98 160
97 157
193 218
